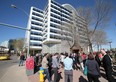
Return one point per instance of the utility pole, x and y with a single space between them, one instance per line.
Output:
28 47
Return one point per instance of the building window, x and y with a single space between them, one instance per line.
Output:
36 28
65 13
54 11
66 16
35 44
54 36
38 10
55 26
37 19
53 30
56 3
55 21
36 14
55 16
36 23
36 38
66 20
36 33
56 8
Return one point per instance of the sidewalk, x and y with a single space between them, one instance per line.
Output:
15 74
18 74
77 77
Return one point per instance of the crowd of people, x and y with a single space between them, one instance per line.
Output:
54 63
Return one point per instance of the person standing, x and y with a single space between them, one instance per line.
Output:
36 68
68 68
107 65
50 65
55 66
45 66
22 58
75 59
92 69
83 58
81 62
98 59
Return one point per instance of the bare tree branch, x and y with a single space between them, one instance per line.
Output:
95 18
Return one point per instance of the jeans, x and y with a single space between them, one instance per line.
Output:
21 62
68 75
56 75
47 74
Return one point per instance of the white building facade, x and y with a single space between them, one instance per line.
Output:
35 23
52 29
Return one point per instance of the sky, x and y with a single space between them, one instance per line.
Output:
16 17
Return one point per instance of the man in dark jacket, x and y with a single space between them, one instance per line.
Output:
22 58
98 59
107 65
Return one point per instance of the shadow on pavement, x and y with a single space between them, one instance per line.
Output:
51 74
82 79
101 69
114 67
103 75
76 67
114 75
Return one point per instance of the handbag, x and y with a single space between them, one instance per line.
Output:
85 71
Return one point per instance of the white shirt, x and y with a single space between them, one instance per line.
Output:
68 63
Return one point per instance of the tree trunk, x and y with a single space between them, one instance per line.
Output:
90 47
98 46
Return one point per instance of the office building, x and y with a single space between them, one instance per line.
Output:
55 28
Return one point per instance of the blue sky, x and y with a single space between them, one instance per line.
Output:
16 17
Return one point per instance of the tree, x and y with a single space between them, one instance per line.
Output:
18 44
99 38
95 18
74 41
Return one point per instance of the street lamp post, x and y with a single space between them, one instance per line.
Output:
15 7
28 31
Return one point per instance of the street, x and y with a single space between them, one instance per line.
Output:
5 64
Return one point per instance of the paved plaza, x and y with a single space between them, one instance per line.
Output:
18 74
77 77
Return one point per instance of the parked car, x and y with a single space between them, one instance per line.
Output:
4 57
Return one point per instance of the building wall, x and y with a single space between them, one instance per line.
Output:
51 48
59 47
65 47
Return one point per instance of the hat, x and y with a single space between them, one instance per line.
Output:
37 54
41 68
103 52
